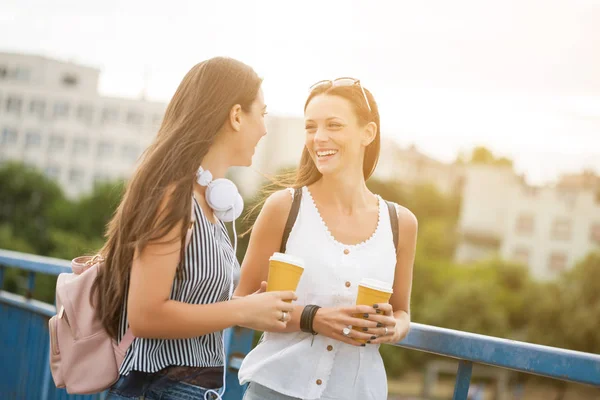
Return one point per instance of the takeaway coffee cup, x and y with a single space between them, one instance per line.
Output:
285 272
372 291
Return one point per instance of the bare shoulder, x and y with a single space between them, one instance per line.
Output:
280 202
276 208
406 218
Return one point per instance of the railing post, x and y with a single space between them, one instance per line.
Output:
429 379
463 380
238 343
30 285
1 276
46 379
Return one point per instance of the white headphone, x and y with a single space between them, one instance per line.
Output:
227 204
221 195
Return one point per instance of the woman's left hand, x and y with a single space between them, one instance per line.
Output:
392 329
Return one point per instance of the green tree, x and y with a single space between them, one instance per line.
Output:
488 297
437 238
96 209
35 217
566 313
27 199
482 155
8 241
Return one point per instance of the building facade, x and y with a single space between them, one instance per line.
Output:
409 166
280 148
53 117
549 228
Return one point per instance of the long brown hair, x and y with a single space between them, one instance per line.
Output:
194 116
307 173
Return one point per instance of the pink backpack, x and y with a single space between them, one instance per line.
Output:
84 359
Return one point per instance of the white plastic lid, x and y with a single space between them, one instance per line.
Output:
286 258
376 285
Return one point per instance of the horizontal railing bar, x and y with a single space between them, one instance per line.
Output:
35 306
34 263
531 358
519 356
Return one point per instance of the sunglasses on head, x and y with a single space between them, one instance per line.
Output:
342 82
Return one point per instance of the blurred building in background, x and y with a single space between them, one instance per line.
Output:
52 117
409 166
285 140
281 148
546 228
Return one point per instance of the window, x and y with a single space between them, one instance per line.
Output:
13 105
568 197
105 149
531 191
52 172
100 178
37 107
22 74
61 109
561 229
85 113
130 152
81 146
70 80
521 255
109 115
135 118
525 224
33 140
9 136
595 233
56 143
76 176
557 262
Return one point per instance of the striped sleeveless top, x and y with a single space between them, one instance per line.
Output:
206 279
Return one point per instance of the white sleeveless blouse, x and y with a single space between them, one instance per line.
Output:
294 365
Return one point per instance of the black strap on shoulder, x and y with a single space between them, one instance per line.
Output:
296 207
291 218
394 221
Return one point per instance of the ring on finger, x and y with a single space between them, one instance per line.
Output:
346 331
385 331
283 316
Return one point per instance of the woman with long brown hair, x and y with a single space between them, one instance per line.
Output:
345 234
169 271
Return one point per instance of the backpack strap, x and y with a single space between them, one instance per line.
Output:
291 220
126 340
394 221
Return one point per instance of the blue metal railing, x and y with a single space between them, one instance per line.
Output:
25 374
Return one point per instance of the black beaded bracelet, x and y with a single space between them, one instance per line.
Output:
307 318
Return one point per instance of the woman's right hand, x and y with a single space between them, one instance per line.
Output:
264 311
331 321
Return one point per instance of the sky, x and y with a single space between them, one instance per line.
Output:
521 77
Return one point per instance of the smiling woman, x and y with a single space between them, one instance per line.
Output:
340 117
346 236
